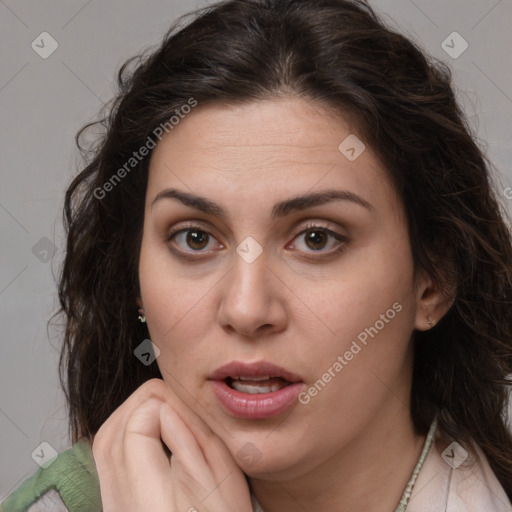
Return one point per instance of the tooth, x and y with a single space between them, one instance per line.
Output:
266 377
247 388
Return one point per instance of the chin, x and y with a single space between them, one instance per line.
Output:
260 458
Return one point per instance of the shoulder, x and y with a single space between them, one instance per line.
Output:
69 483
454 480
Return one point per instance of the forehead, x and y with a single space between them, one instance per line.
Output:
264 149
273 127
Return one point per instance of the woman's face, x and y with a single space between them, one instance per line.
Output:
257 263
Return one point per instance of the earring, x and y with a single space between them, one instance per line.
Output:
429 322
142 317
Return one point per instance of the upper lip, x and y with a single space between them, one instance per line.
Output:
236 369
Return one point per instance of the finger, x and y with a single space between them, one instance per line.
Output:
207 457
109 431
107 437
215 452
149 424
110 441
201 462
190 413
177 435
108 447
148 467
217 484
145 464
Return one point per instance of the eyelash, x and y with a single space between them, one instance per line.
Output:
309 227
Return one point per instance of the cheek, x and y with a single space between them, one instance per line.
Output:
355 372
369 283
175 305
367 314
176 320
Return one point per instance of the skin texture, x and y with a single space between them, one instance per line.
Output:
300 304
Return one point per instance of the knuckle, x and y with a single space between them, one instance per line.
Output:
153 388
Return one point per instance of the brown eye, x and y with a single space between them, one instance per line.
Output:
196 239
319 239
316 239
190 240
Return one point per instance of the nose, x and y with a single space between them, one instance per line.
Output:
253 299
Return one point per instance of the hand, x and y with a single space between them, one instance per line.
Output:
137 474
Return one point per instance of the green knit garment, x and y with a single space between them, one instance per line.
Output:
72 474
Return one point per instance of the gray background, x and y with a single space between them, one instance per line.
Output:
45 101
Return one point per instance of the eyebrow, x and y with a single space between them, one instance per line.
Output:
280 209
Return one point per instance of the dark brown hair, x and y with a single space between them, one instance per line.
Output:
339 53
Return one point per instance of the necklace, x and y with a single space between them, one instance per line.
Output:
402 505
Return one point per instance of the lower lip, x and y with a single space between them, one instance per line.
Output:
256 406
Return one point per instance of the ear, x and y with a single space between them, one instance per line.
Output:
432 302
139 303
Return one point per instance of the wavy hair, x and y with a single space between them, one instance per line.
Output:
337 52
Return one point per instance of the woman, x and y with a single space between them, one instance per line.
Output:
289 204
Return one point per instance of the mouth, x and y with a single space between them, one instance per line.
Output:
254 376
255 390
257 385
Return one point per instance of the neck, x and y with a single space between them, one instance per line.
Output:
370 473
